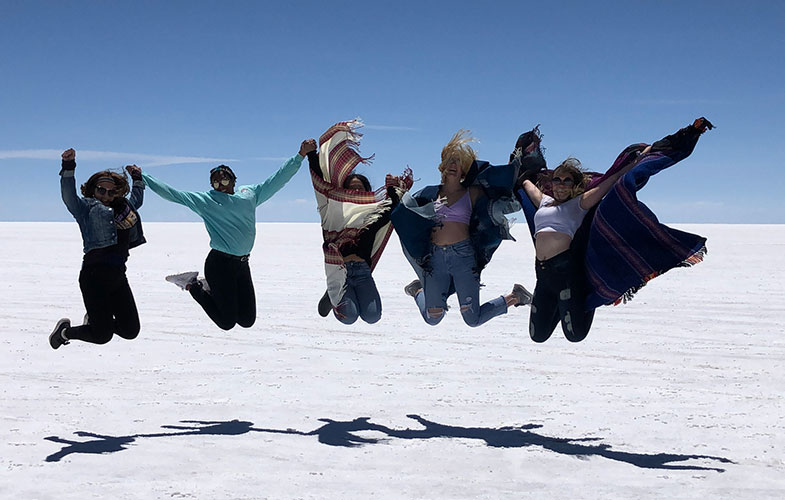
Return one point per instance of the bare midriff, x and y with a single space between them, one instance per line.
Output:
352 258
551 244
449 233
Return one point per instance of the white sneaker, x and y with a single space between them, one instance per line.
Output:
523 295
183 279
203 283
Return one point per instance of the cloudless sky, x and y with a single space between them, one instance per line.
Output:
178 87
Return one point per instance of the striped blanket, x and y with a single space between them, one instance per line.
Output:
627 245
623 243
345 213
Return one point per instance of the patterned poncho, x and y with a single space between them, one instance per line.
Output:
346 213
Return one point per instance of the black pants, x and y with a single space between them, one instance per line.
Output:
110 306
230 300
559 296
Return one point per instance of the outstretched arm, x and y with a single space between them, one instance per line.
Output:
313 164
680 144
595 194
275 182
533 192
73 202
667 151
137 191
189 199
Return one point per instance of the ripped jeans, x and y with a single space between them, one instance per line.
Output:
456 264
559 296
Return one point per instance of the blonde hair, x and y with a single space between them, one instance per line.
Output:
459 148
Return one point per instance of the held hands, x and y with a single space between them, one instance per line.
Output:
307 146
134 171
404 182
396 181
391 182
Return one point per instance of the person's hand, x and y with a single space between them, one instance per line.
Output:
702 124
69 155
404 182
134 171
307 146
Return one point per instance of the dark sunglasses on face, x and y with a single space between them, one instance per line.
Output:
222 182
568 181
104 192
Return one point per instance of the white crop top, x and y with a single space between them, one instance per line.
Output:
562 218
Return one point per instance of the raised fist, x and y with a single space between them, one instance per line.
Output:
134 171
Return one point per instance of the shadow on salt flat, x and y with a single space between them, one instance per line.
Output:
344 433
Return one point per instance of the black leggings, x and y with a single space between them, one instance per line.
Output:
230 299
110 306
559 296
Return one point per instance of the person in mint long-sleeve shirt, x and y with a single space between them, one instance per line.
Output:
226 293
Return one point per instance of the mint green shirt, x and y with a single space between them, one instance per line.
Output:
230 219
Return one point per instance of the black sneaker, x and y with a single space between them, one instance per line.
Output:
412 288
325 306
56 338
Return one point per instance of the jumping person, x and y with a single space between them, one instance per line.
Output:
226 293
449 232
576 274
110 226
355 223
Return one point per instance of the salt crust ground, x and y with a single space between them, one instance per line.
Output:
678 394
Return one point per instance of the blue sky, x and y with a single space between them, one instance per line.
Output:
178 87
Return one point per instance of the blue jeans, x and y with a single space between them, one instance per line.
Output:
361 298
456 264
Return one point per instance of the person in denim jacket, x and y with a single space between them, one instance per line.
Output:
110 226
449 233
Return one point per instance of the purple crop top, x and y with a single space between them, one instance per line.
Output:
460 211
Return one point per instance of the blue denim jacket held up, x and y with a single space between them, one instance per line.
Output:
414 217
96 221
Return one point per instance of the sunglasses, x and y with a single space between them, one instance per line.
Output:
103 191
222 182
568 181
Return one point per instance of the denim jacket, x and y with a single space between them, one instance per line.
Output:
414 218
96 221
